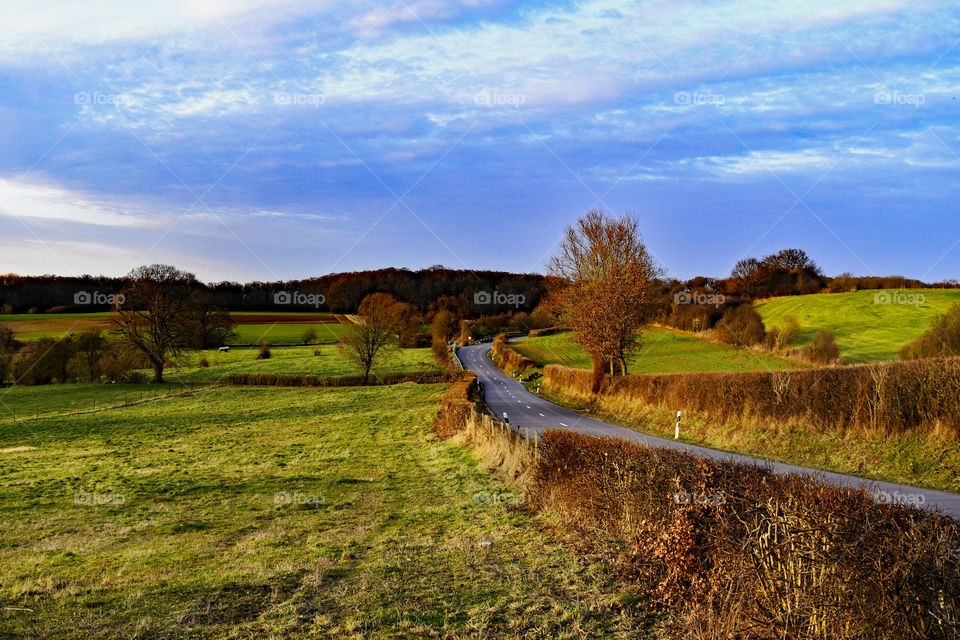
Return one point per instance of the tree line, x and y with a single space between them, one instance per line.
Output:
466 292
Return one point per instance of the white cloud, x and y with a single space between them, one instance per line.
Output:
47 201
776 162
39 26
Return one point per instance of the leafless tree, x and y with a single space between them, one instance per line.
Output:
155 316
606 296
366 344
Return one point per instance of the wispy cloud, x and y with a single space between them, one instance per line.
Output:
51 202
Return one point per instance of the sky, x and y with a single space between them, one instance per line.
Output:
253 140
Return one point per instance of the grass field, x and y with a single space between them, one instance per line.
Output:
663 351
280 513
293 360
45 400
282 331
285 333
865 331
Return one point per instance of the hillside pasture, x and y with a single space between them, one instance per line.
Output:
663 351
869 326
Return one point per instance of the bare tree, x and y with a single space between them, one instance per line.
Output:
155 316
365 345
211 324
90 346
606 296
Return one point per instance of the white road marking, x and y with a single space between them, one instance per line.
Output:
528 406
562 425
542 416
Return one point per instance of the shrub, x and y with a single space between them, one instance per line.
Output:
203 363
6 366
891 397
264 353
940 340
507 358
43 361
735 550
741 326
762 555
309 335
317 352
823 349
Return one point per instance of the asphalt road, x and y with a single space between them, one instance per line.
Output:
527 410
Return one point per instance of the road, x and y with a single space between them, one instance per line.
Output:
527 410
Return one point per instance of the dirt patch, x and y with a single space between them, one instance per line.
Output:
17 449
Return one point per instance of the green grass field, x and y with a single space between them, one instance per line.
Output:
865 331
279 513
663 351
293 360
285 333
45 400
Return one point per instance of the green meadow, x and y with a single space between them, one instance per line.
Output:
663 351
280 513
869 326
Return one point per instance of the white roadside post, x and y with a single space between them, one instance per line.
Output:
505 418
676 433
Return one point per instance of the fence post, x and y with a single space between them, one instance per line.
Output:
676 432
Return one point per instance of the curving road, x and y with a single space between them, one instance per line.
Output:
527 410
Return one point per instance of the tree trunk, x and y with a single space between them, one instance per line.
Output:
598 367
158 373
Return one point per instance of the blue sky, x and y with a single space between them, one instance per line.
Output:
254 140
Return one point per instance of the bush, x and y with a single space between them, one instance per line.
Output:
741 326
507 358
823 349
264 353
44 361
309 335
203 363
6 367
761 555
734 550
942 339
891 397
